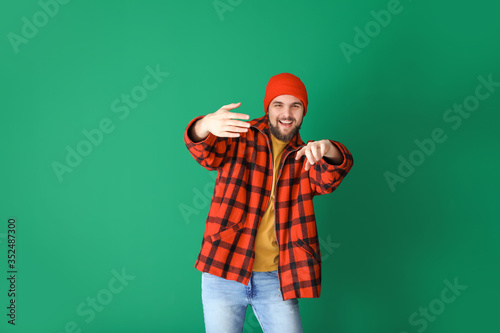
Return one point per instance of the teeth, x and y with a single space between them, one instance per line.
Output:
285 122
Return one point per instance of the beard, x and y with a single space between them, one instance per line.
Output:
282 136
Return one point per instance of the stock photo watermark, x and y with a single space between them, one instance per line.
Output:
327 246
427 146
12 270
201 199
94 304
222 6
31 26
95 136
425 315
371 30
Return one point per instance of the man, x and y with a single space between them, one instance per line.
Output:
260 245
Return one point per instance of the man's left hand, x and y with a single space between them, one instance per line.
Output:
316 150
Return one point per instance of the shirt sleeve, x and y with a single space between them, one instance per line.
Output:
210 152
325 177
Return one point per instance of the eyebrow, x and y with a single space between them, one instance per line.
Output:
300 103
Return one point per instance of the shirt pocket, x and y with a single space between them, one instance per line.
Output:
227 234
307 248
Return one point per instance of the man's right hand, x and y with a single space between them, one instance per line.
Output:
221 123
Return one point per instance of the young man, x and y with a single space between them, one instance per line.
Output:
260 245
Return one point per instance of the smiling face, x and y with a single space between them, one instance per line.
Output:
285 116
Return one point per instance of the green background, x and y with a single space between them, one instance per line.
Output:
386 253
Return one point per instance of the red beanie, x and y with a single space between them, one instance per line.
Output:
285 84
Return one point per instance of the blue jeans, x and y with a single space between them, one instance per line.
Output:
225 303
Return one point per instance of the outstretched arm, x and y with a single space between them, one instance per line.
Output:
327 162
316 150
206 137
196 132
220 123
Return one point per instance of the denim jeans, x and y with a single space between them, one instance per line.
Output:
225 303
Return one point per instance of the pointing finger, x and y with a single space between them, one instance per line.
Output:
310 157
314 151
299 154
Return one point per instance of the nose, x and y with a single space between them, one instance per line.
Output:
287 112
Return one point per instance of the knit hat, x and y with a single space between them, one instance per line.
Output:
285 84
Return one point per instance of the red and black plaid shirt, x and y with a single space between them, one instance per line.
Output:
241 196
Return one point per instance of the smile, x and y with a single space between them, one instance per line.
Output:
286 123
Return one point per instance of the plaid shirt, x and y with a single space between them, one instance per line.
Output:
241 196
